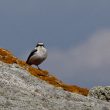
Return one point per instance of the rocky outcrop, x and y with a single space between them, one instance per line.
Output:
102 93
20 90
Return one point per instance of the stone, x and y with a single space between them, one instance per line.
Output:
19 90
100 92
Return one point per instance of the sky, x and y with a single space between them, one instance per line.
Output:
75 32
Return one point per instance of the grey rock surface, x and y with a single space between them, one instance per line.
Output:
100 92
21 91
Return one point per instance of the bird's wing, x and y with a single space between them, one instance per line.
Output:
32 53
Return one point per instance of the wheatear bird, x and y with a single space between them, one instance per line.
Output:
38 55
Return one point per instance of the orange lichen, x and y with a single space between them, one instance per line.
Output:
7 57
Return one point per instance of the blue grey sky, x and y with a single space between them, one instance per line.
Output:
76 33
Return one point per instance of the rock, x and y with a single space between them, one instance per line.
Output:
23 87
19 90
102 93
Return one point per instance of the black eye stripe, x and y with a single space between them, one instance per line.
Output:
40 45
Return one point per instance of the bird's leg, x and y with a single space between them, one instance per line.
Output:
38 67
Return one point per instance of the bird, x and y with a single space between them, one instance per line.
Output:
37 55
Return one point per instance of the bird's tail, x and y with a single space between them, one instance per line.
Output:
28 62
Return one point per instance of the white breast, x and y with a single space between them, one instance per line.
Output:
41 52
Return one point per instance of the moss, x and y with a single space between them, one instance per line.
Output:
7 57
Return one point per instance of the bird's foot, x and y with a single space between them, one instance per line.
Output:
39 68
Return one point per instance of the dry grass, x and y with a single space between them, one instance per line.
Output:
7 57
